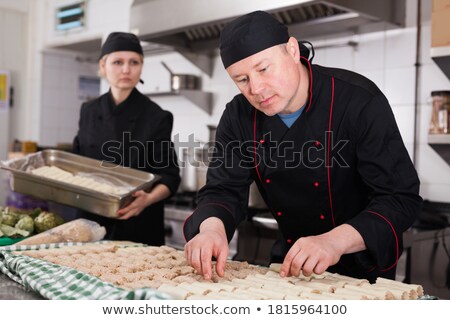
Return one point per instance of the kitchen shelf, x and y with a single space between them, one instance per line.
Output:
441 56
200 98
441 144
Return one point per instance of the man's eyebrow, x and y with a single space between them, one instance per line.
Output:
253 67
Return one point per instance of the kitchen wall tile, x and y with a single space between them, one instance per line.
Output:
435 191
70 63
50 97
223 95
425 45
52 77
69 82
370 52
431 167
184 112
399 85
51 117
400 48
117 14
425 118
51 60
66 134
156 78
410 148
17 21
340 57
18 112
377 76
49 136
320 57
404 117
219 74
4 128
70 116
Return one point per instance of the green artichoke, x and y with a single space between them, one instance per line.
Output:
47 220
25 223
9 218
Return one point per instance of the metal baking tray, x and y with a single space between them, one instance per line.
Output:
23 181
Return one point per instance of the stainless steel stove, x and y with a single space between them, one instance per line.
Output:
252 241
176 211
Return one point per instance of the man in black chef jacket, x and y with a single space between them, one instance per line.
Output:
325 151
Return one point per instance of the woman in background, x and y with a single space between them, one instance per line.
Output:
126 128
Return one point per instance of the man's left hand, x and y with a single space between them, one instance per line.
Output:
315 254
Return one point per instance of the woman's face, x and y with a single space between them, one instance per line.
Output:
122 69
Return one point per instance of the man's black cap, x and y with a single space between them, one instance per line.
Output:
121 41
250 34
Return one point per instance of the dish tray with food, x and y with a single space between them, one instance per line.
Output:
92 185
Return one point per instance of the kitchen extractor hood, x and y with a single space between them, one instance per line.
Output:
194 25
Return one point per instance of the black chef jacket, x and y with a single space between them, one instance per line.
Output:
342 161
135 134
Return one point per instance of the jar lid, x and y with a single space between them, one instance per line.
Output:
440 93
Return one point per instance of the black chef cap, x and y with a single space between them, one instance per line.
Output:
250 34
121 41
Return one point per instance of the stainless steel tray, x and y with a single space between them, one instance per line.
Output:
23 181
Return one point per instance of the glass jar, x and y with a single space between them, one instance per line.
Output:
440 112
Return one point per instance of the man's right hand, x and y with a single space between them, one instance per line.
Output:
210 242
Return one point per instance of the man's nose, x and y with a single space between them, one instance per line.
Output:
256 85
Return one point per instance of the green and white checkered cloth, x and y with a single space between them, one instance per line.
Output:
56 282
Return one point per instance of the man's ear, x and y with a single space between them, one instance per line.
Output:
293 49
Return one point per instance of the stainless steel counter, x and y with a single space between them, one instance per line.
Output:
11 290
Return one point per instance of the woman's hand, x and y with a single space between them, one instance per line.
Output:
143 200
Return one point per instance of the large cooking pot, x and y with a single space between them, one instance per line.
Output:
212 132
188 172
182 81
255 200
192 160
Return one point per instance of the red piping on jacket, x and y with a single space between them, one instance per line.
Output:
396 239
254 145
371 269
328 152
310 83
206 204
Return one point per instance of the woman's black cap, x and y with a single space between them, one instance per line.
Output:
121 41
250 34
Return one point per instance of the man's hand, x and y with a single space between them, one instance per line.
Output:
317 253
210 242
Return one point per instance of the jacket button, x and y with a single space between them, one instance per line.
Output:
267 181
316 184
317 143
289 240
279 213
322 217
261 141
